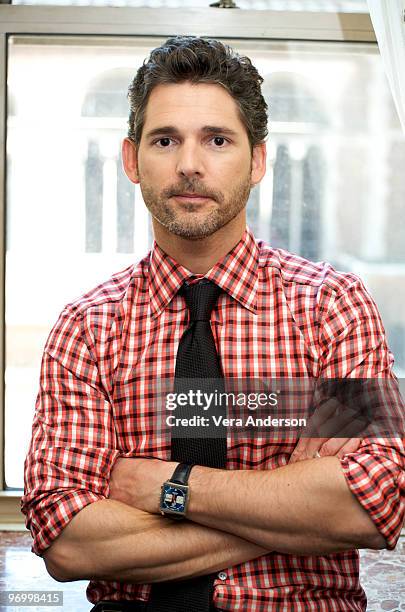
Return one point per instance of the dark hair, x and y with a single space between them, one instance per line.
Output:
200 60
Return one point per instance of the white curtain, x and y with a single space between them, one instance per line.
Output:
388 17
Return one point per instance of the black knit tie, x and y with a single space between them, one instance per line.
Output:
197 358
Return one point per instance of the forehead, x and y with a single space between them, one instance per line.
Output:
187 105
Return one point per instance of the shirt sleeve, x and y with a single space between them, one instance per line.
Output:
72 447
353 344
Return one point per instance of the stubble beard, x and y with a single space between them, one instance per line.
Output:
189 221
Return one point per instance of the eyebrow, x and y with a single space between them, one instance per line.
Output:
206 129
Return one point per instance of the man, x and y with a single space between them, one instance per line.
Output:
278 526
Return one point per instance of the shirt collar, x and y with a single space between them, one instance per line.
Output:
236 273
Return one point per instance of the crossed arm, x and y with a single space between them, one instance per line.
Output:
303 508
109 540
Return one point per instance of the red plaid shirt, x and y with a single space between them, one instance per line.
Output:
279 316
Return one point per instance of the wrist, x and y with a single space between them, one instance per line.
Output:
200 482
175 493
163 474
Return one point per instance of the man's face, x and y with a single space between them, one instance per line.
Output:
194 162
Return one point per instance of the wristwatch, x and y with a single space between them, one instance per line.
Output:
175 495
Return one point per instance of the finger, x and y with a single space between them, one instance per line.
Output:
306 448
322 415
339 447
332 446
350 447
353 430
334 425
345 424
327 448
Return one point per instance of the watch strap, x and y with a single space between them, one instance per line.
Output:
181 473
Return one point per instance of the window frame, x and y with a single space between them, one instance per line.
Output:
143 22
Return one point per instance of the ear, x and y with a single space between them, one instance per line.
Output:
259 155
129 160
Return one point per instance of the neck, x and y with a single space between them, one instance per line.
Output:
199 256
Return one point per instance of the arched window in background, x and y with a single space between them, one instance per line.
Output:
296 118
110 196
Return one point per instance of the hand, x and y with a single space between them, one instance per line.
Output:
331 419
137 481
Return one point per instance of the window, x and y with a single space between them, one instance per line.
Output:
109 195
332 189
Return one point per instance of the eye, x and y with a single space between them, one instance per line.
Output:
219 141
164 142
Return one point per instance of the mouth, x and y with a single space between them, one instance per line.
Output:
193 197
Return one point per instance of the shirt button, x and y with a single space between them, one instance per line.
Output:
222 575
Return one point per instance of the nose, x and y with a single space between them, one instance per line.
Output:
190 160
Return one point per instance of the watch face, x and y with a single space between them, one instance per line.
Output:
173 498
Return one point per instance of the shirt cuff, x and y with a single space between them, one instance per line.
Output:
46 524
377 483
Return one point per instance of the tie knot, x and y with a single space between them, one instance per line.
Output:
200 299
